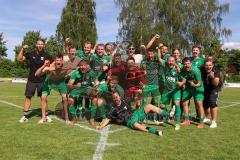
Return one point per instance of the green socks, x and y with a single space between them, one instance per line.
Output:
164 112
93 110
152 130
102 111
186 117
178 114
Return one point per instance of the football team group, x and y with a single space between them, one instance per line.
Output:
124 88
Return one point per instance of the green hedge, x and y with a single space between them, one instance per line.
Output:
233 78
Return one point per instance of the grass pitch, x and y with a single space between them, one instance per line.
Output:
58 141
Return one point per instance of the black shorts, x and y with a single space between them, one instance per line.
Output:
210 99
32 87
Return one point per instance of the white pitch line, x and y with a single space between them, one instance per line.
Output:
118 130
229 106
79 125
107 144
98 154
11 104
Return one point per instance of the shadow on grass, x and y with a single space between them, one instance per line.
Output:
38 113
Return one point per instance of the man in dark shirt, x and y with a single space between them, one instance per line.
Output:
122 113
36 60
212 87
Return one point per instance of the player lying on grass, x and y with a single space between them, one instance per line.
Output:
122 113
55 79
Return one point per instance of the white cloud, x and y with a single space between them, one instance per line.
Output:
12 41
232 45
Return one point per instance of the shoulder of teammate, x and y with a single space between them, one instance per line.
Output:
197 73
164 63
166 56
75 75
102 87
79 52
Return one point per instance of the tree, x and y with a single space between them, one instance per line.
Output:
53 46
78 22
205 21
234 58
136 20
30 39
180 23
3 49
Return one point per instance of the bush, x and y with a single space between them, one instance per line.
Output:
233 78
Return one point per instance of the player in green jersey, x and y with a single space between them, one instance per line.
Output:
55 79
83 82
100 62
191 77
170 79
87 51
150 66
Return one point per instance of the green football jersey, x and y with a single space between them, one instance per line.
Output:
86 79
98 61
105 91
84 56
198 62
193 75
151 69
179 63
170 77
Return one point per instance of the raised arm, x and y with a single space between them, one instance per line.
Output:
42 70
115 50
152 41
94 49
21 56
143 49
160 56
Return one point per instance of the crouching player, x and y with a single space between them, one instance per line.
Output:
122 113
83 82
55 79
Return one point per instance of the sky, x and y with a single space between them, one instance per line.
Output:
20 16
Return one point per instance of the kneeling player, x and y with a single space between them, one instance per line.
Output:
122 113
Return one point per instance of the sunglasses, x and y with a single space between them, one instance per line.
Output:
131 48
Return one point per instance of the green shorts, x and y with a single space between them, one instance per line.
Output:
175 95
187 94
61 87
82 91
151 90
138 116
